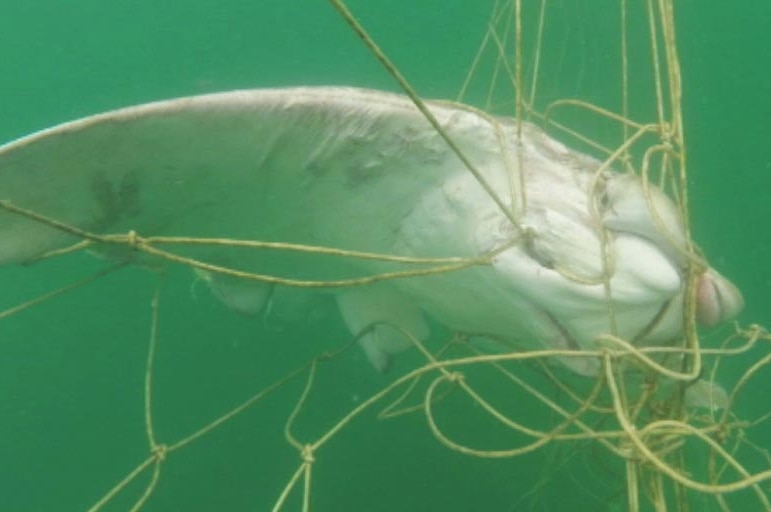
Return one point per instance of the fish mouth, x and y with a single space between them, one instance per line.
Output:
627 207
717 298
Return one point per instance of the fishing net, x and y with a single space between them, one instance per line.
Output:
193 404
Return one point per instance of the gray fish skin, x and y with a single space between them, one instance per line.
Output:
364 170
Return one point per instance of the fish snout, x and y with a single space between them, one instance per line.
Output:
717 298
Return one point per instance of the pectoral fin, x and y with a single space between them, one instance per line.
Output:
706 395
244 296
379 309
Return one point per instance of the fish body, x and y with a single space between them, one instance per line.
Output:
364 170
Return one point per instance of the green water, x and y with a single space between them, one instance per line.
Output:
71 371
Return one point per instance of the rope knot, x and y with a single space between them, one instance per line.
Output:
455 377
159 452
307 454
132 239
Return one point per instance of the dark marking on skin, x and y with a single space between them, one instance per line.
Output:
114 202
316 170
128 194
359 176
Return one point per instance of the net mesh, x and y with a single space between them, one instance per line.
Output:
637 442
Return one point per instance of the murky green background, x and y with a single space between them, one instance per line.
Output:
71 371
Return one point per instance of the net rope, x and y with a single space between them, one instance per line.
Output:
643 423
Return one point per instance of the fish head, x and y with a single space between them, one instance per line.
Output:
638 208
628 253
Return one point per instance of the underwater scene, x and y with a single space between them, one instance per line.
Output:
433 255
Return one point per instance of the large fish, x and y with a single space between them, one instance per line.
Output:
364 170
